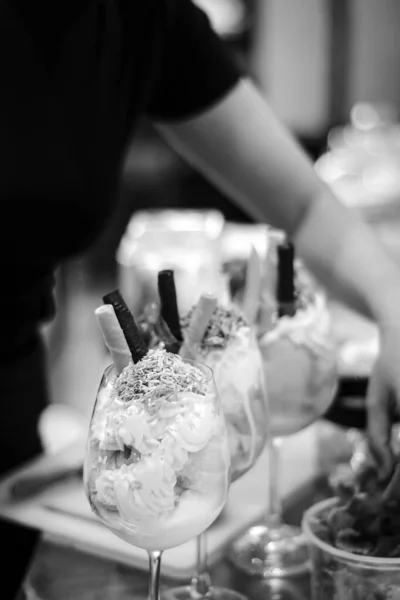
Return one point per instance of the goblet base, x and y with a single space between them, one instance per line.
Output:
215 593
279 551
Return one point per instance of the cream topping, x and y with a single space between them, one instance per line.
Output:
152 441
309 327
238 373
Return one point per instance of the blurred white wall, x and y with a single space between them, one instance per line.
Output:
375 51
291 57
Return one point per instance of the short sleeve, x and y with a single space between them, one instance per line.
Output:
195 69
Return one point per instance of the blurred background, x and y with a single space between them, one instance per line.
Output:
330 70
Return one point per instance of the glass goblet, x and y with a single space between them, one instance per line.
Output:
300 362
157 470
239 376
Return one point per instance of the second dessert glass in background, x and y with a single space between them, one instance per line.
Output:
221 338
300 362
157 466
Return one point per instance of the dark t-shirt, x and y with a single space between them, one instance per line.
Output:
75 76
74 80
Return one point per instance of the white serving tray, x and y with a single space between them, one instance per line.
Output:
63 514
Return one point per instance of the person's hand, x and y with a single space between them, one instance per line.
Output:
383 399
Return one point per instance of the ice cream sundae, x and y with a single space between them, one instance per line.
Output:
157 462
220 337
299 359
299 353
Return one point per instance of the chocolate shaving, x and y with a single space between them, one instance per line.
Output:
158 376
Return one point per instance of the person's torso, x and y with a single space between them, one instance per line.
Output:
74 78
72 85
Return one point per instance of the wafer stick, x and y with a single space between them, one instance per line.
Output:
198 324
252 289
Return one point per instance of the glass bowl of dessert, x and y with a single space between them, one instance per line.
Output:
228 346
299 358
148 479
220 337
157 465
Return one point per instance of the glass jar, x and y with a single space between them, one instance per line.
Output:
339 575
183 240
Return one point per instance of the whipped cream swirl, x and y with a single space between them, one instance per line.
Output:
309 327
143 446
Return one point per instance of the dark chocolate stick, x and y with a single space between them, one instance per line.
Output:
169 303
285 292
129 328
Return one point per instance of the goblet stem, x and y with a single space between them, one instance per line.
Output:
155 566
200 585
274 515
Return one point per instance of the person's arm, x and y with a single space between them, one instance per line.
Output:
240 146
